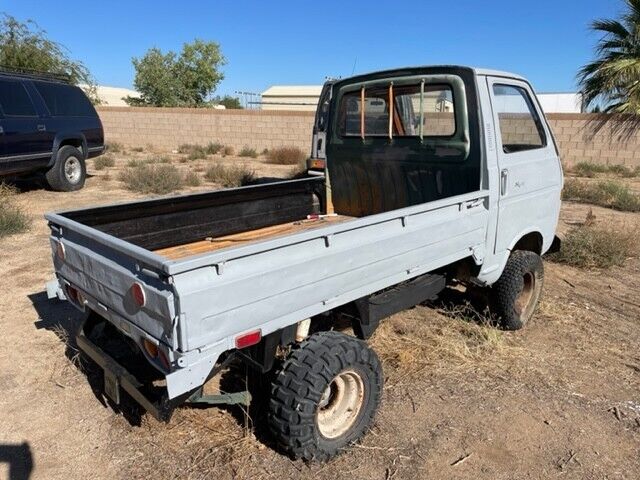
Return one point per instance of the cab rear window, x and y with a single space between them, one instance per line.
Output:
403 111
65 100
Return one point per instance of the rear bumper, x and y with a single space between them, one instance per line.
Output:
159 406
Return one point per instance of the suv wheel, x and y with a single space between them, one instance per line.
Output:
69 171
325 396
517 291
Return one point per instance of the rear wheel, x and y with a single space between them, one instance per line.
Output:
517 291
325 396
69 171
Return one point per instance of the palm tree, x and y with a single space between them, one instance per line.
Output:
613 78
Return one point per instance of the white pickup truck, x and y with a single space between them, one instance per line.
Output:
434 175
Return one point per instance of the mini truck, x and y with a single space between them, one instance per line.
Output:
435 175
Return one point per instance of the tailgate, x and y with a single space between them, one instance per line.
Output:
107 275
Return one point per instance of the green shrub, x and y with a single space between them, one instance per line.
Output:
285 156
589 169
229 176
152 178
213 147
114 147
197 154
148 161
589 247
608 194
248 152
192 179
12 219
104 161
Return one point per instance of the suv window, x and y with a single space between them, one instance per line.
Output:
438 110
520 125
65 100
14 99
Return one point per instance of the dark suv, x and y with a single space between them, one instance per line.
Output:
47 125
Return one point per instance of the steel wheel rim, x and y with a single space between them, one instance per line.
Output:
72 169
340 405
524 300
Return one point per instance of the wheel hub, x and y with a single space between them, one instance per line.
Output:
340 404
72 169
524 300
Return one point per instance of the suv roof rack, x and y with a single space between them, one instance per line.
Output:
29 73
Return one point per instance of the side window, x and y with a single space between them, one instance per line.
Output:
14 99
64 100
437 103
520 125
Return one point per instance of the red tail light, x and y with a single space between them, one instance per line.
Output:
139 296
247 339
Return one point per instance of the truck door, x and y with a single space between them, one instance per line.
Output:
530 176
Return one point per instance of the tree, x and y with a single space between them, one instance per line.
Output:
25 47
172 80
228 101
613 78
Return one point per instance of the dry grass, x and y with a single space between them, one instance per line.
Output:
227 151
150 177
248 152
588 246
12 218
137 149
452 338
115 147
229 176
192 179
298 171
104 161
608 194
285 156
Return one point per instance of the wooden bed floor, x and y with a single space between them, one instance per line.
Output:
211 244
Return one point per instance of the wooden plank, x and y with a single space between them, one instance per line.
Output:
212 244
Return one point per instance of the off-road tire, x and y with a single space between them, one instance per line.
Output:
517 291
302 384
61 177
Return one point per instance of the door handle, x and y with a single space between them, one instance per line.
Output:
42 127
504 176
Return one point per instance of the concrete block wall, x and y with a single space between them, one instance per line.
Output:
167 128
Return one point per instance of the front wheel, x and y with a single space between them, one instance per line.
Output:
517 291
325 396
68 172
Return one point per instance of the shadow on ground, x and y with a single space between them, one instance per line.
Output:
64 320
19 458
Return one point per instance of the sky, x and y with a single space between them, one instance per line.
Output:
300 42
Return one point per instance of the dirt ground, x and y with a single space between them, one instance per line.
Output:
560 398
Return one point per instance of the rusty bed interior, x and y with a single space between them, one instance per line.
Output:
210 244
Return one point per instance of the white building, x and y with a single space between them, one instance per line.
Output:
291 97
114 96
305 97
561 102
